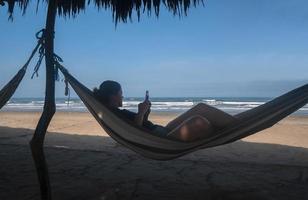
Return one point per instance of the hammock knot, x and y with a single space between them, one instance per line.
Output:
67 91
40 36
42 32
57 60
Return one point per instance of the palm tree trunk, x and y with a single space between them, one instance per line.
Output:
37 142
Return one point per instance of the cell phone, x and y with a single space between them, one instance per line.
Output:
147 95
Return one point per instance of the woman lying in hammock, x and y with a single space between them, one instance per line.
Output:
200 121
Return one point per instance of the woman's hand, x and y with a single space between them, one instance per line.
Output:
143 112
144 107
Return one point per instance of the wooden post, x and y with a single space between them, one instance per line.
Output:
37 141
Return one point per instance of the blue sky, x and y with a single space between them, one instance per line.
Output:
226 48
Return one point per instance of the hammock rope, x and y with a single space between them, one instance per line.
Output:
40 42
57 60
41 39
9 89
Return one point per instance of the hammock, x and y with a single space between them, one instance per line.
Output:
9 89
155 147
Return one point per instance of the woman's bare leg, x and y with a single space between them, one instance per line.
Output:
217 117
192 129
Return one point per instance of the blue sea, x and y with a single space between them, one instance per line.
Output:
230 105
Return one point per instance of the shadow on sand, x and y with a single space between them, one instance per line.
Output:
95 168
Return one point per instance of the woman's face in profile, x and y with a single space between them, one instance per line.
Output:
119 98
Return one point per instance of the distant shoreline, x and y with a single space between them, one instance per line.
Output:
163 105
157 113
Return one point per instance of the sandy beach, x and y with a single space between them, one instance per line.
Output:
85 163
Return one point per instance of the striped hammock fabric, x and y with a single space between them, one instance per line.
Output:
9 89
151 146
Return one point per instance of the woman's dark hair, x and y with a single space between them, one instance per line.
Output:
106 90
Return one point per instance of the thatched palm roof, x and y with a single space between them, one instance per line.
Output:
121 9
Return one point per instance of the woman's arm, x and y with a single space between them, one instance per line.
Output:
139 119
143 108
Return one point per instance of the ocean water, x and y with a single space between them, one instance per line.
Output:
230 105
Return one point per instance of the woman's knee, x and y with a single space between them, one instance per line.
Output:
196 127
201 123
